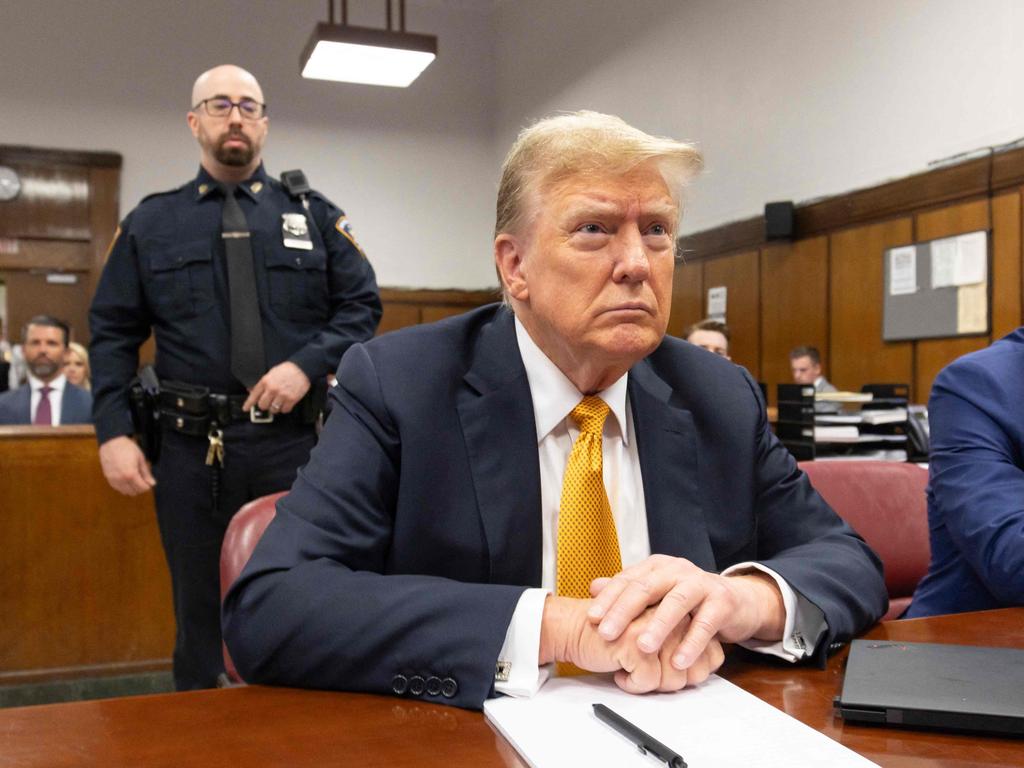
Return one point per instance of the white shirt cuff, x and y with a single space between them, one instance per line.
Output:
518 672
805 622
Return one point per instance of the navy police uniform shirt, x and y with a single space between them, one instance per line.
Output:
166 272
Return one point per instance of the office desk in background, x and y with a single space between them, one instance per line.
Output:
257 726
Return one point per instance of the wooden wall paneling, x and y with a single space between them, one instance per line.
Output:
1006 264
403 307
932 355
397 315
740 275
51 255
53 203
30 294
687 297
104 191
86 584
794 305
857 353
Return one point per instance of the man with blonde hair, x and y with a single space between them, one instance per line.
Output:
552 481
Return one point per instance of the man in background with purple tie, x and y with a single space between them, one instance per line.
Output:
47 399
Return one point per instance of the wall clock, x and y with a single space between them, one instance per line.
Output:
10 184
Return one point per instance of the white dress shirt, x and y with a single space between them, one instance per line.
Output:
56 397
554 396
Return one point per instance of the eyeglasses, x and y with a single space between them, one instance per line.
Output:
219 106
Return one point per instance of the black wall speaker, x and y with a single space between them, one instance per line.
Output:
778 221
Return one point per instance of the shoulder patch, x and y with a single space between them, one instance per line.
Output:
344 226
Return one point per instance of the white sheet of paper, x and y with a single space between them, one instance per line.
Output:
971 259
716 301
715 725
902 270
944 255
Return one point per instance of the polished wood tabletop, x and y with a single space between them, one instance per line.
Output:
259 727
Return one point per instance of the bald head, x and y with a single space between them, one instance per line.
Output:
228 120
225 79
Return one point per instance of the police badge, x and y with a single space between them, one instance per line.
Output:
295 231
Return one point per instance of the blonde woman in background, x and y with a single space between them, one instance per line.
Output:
76 366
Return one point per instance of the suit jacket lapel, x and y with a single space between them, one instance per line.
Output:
26 403
496 414
667 445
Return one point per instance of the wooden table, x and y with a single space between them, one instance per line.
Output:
257 726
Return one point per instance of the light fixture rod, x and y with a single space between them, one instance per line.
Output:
344 13
388 2
330 11
401 15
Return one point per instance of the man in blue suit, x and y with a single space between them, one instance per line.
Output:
976 483
47 398
421 551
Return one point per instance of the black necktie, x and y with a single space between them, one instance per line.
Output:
247 362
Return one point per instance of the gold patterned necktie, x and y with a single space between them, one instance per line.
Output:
588 546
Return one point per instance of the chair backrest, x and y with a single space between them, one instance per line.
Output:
243 534
884 501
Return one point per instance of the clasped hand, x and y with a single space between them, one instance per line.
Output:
659 624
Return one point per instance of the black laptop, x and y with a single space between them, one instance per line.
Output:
932 685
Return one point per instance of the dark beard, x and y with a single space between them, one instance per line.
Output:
234 156
42 368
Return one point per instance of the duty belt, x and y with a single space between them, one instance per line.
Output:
194 410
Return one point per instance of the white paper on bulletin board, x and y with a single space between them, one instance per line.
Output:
902 271
971 265
944 256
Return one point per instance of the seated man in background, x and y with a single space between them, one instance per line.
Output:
47 399
710 334
552 479
976 483
805 363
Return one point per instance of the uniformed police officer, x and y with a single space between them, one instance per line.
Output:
253 293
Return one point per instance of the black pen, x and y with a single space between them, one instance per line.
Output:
644 742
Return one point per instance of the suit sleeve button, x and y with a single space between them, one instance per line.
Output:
433 685
449 687
417 685
399 684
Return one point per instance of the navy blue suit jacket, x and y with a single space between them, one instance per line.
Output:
976 483
410 535
75 408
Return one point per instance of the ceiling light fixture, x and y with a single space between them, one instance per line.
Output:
364 55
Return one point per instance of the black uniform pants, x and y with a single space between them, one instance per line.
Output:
258 459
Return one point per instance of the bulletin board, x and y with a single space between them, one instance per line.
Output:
937 288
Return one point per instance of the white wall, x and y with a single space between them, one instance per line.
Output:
789 99
413 168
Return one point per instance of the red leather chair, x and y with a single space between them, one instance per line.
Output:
244 532
884 501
